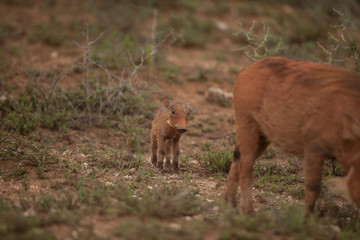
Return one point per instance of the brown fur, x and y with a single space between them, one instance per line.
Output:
167 127
305 108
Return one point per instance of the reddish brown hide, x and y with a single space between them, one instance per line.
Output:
167 127
305 108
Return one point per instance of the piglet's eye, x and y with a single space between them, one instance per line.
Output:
172 112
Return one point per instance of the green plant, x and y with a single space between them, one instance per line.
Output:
115 158
136 229
214 160
193 32
270 176
297 192
44 203
332 168
162 202
51 33
18 148
15 225
171 73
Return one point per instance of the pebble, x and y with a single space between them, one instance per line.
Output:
109 184
175 226
335 228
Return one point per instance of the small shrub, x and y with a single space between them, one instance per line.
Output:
18 148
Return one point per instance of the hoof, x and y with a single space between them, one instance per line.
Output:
230 200
160 166
175 167
167 165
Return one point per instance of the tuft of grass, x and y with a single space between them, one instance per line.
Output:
288 220
20 149
194 33
164 201
214 160
15 225
332 168
113 158
51 33
137 229
270 176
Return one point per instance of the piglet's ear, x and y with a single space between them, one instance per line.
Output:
167 103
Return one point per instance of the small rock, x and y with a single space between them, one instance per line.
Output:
221 25
54 54
335 228
29 213
84 165
67 152
220 97
74 234
175 226
199 217
216 209
109 184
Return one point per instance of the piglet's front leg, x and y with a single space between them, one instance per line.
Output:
176 153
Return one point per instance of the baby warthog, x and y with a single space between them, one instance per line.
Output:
167 127
305 108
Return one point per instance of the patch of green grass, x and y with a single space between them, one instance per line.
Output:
269 153
171 73
132 129
193 32
136 229
288 221
15 225
332 168
297 192
190 4
214 160
272 177
162 201
50 33
20 149
8 31
112 158
58 110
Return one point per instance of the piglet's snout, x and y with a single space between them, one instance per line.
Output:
182 127
182 130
